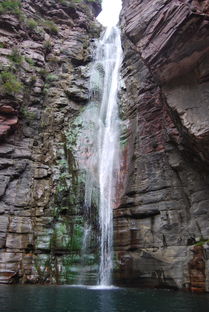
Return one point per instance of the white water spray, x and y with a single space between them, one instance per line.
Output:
109 56
98 141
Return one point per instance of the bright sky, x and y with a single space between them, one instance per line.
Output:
110 12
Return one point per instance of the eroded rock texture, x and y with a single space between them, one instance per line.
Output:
44 55
162 223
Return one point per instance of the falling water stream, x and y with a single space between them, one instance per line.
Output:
98 151
102 160
109 56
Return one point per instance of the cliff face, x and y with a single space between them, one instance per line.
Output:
45 50
161 226
161 222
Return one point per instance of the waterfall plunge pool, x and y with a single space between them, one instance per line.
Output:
31 298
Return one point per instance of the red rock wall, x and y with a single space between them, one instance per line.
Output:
166 203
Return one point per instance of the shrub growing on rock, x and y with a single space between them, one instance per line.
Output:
50 26
9 83
30 61
16 57
10 6
51 77
31 24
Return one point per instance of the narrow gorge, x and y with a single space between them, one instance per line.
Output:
55 153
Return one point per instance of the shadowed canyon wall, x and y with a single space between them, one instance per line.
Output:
161 225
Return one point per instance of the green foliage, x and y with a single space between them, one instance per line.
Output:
50 26
47 45
31 24
2 45
30 61
201 242
68 235
73 133
44 266
16 57
71 259
10 6
43 72
64 180
77 237
26 114
10 83
60 238
51 77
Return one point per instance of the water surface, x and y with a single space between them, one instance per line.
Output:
77 299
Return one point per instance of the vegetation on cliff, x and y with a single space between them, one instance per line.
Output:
45 49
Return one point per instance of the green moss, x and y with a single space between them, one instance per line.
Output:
9 83
68 235
67 198
90 259
60 239
123 141
71 259
77 237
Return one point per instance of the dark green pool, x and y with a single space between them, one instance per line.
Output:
74 299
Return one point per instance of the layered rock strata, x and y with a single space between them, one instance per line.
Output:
161 225
45 50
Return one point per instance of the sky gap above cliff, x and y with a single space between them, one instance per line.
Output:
110 12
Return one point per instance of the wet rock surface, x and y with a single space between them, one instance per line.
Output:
45 50
163 214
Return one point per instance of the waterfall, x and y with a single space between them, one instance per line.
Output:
99 141
97 150
109 58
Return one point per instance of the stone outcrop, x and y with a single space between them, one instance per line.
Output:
161 224
45 50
